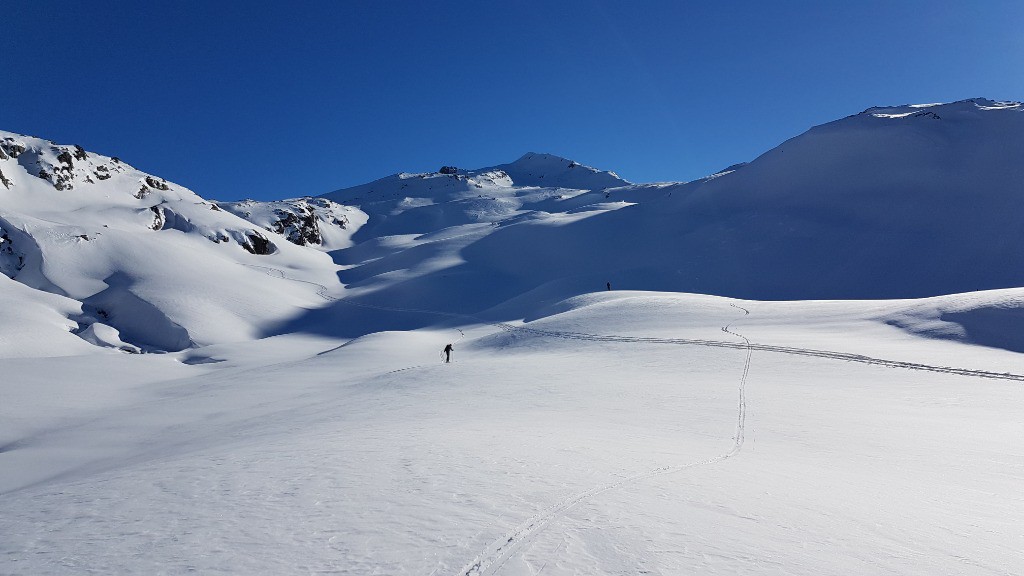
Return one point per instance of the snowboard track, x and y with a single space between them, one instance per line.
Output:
494 557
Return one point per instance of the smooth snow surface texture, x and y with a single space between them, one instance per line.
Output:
896 202
555 453
257 388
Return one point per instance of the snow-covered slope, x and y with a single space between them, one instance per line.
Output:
896 202
626 434
906 201
306 221
409 203
549 171
302 422
151 264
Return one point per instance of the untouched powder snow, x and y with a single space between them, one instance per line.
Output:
258 388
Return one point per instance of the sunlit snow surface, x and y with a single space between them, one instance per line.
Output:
292 414
529 452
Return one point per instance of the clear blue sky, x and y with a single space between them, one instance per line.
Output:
281 99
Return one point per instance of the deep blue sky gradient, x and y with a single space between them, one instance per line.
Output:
273 100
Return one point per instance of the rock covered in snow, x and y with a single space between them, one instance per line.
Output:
307 221
168 268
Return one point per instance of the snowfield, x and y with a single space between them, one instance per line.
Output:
529 452
807 364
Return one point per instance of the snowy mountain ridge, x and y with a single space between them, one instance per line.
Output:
895 202
924 110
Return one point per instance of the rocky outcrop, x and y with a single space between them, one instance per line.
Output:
11 260
63 167
63 171
298 229
301 221
11 148
258 244
158 218
157 183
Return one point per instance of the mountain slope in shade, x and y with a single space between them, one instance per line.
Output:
891 203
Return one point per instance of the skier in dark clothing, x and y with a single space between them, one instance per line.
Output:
609 284
448 353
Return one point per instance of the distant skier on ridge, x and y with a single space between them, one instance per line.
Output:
448 353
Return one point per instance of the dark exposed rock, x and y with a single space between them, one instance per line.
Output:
450 170
155 183
3 155
158 218
302 221
142 193
258 244
11 148
102 172
63 181
215 207
65 158
3 180
298 229
10 261
80 153
44 174
63 177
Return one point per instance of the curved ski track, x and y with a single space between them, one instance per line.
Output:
499 552
322 291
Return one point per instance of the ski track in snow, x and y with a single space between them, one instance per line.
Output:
498 553
322 291
494 557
